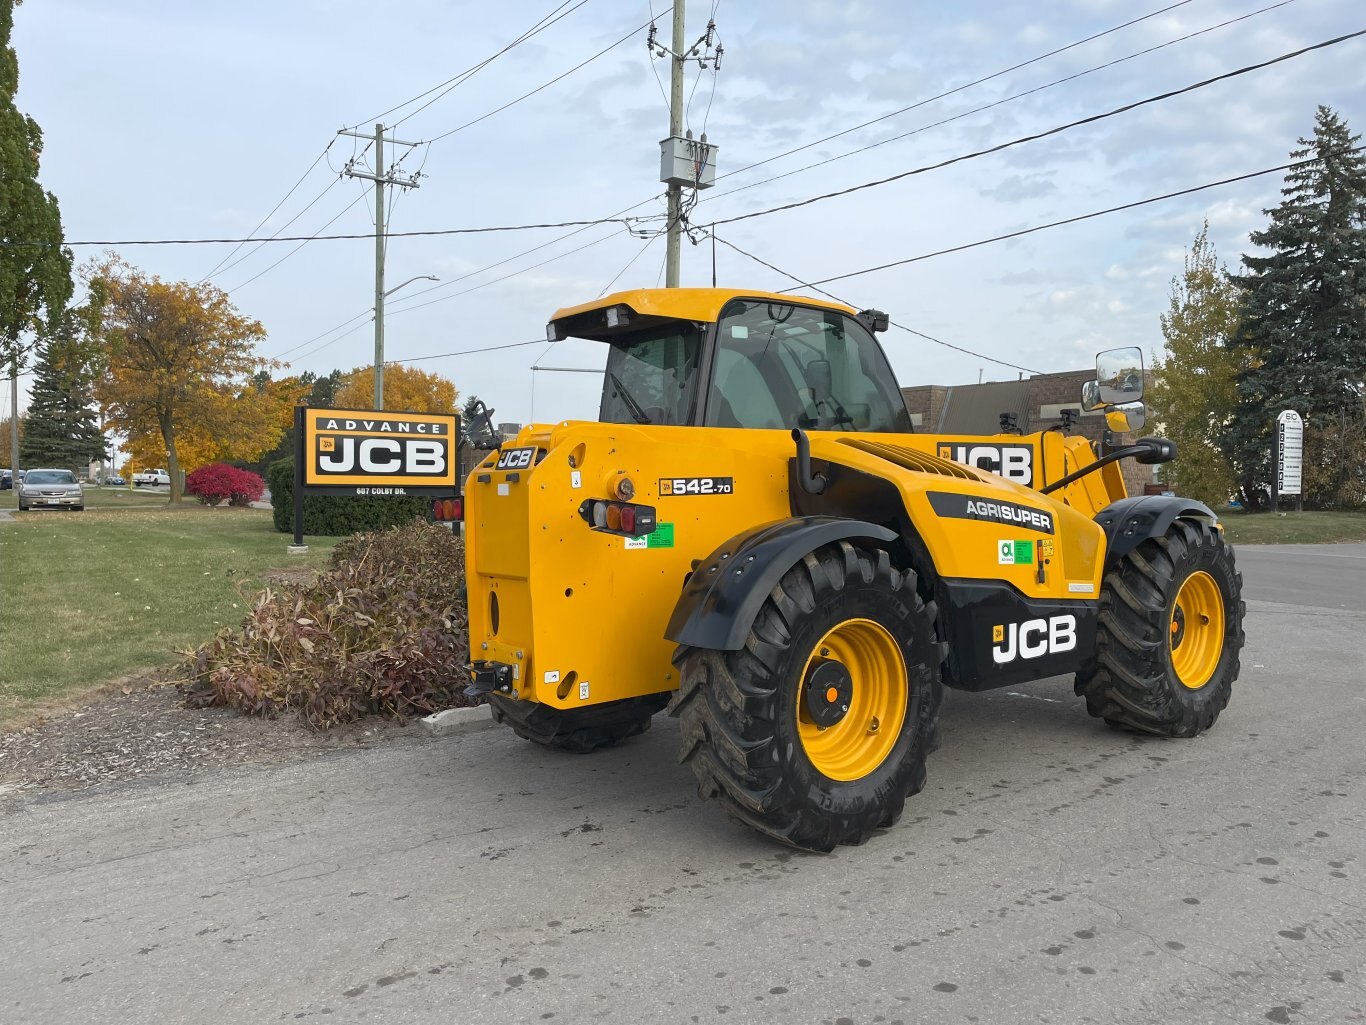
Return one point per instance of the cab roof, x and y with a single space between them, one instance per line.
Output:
649 305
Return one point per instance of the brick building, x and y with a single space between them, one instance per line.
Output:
1036 402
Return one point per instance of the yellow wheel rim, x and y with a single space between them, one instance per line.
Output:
1196 630
866 661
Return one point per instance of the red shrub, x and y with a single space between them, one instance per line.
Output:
219 482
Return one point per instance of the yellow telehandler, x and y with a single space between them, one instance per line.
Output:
753 536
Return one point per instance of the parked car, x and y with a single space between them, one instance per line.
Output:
115 480
6 480
151 478
51 489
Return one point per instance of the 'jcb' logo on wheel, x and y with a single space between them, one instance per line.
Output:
1033 638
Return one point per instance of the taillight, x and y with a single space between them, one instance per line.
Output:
445 510
621 518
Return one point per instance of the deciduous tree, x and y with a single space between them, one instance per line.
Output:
35 268
1195 382
181 369
405 388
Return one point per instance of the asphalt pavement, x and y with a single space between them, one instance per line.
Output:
1054 870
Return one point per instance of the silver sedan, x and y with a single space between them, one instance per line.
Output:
50 489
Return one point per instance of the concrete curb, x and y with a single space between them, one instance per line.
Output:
459 720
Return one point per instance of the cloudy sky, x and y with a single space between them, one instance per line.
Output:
170 120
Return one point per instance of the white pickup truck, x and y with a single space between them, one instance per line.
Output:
151 478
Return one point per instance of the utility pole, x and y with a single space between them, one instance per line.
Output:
683 162
674 241
382 176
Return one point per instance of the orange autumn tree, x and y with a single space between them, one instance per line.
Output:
182 370
405 388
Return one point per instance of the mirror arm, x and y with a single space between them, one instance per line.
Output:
1146 450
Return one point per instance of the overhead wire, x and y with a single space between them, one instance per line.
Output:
713 197
292 189
225 267
838 299
473 69
1092 119
545 85
301 244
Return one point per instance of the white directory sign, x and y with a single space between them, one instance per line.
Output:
1289 452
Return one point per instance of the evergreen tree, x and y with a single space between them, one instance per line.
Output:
61 428
1195 383
1303 329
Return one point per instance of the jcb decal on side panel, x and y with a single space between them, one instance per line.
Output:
696 485
1013 462
516 458
1033 638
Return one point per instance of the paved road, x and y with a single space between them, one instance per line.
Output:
1053 871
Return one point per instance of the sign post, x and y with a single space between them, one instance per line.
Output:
1289 458
372 453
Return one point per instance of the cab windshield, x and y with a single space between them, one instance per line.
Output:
785 366
651 376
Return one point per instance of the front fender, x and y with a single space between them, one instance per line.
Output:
1131 521
725 590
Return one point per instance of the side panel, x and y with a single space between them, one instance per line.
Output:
997 637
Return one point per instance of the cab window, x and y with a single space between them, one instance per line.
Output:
651 376
781 366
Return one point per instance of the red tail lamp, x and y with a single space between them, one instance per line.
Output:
446 510
620 518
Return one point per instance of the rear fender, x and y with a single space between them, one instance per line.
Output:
725 591
1131 521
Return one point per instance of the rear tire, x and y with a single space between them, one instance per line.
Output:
577 730
1170 633
749 717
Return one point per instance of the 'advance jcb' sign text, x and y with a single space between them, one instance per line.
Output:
365 452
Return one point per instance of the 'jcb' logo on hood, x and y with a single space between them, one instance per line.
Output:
1033 638
1013 462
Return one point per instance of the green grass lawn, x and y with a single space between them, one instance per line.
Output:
1292 528
100 498
88 597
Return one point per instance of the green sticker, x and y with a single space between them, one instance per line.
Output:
663 536
1024 552
1015 553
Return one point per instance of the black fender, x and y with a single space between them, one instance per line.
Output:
1131 521
726 589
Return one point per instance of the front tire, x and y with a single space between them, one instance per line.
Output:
1170 633
817 730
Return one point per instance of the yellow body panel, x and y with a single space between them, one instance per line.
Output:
582 615
698 304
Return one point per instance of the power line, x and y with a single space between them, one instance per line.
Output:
277 206
330 238
301 244
955 90
903 327
1049 132
712 197
256 248
468 352
545 85
469 72
1057 224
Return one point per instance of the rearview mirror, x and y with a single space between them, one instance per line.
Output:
1131 416
1090 396
1119 375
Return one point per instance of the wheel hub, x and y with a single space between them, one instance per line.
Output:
828 689
1178 627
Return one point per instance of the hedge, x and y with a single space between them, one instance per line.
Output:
338 515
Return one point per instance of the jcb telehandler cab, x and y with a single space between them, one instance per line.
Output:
753 536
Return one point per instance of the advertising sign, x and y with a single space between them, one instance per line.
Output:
364 452
1289 452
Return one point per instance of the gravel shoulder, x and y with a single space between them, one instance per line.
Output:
147 732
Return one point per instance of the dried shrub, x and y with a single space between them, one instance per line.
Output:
382 631
219 482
